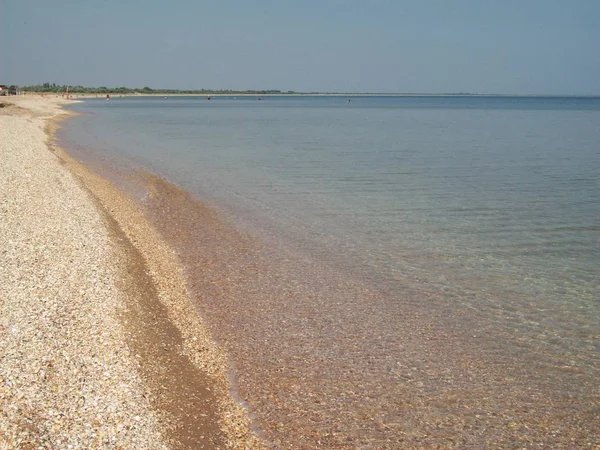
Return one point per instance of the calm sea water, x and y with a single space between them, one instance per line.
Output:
492 203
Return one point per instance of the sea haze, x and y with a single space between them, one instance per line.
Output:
404 258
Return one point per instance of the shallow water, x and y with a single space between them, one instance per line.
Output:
386 271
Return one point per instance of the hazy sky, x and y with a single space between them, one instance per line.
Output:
483 46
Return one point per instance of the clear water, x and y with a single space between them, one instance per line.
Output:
492 202
502 191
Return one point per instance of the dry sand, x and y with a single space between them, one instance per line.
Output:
101 347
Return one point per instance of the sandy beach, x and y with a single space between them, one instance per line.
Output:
101 346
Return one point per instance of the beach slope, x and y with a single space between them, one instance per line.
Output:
96 352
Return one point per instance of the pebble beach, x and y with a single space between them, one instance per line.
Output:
135 315
101 347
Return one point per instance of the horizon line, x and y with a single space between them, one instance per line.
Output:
204 91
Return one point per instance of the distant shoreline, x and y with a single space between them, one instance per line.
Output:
303 94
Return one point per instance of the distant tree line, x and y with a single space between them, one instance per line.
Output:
57 88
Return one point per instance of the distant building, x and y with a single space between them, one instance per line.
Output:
6 90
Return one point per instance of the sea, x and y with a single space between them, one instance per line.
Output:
383 271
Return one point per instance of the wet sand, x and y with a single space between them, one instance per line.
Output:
325 359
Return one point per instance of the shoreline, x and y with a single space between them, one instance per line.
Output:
182 370
300 334
313 94
307 362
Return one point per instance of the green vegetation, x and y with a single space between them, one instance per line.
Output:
61 89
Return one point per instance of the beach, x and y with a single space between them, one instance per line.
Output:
101 345
136 313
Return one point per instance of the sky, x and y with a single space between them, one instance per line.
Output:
415 46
